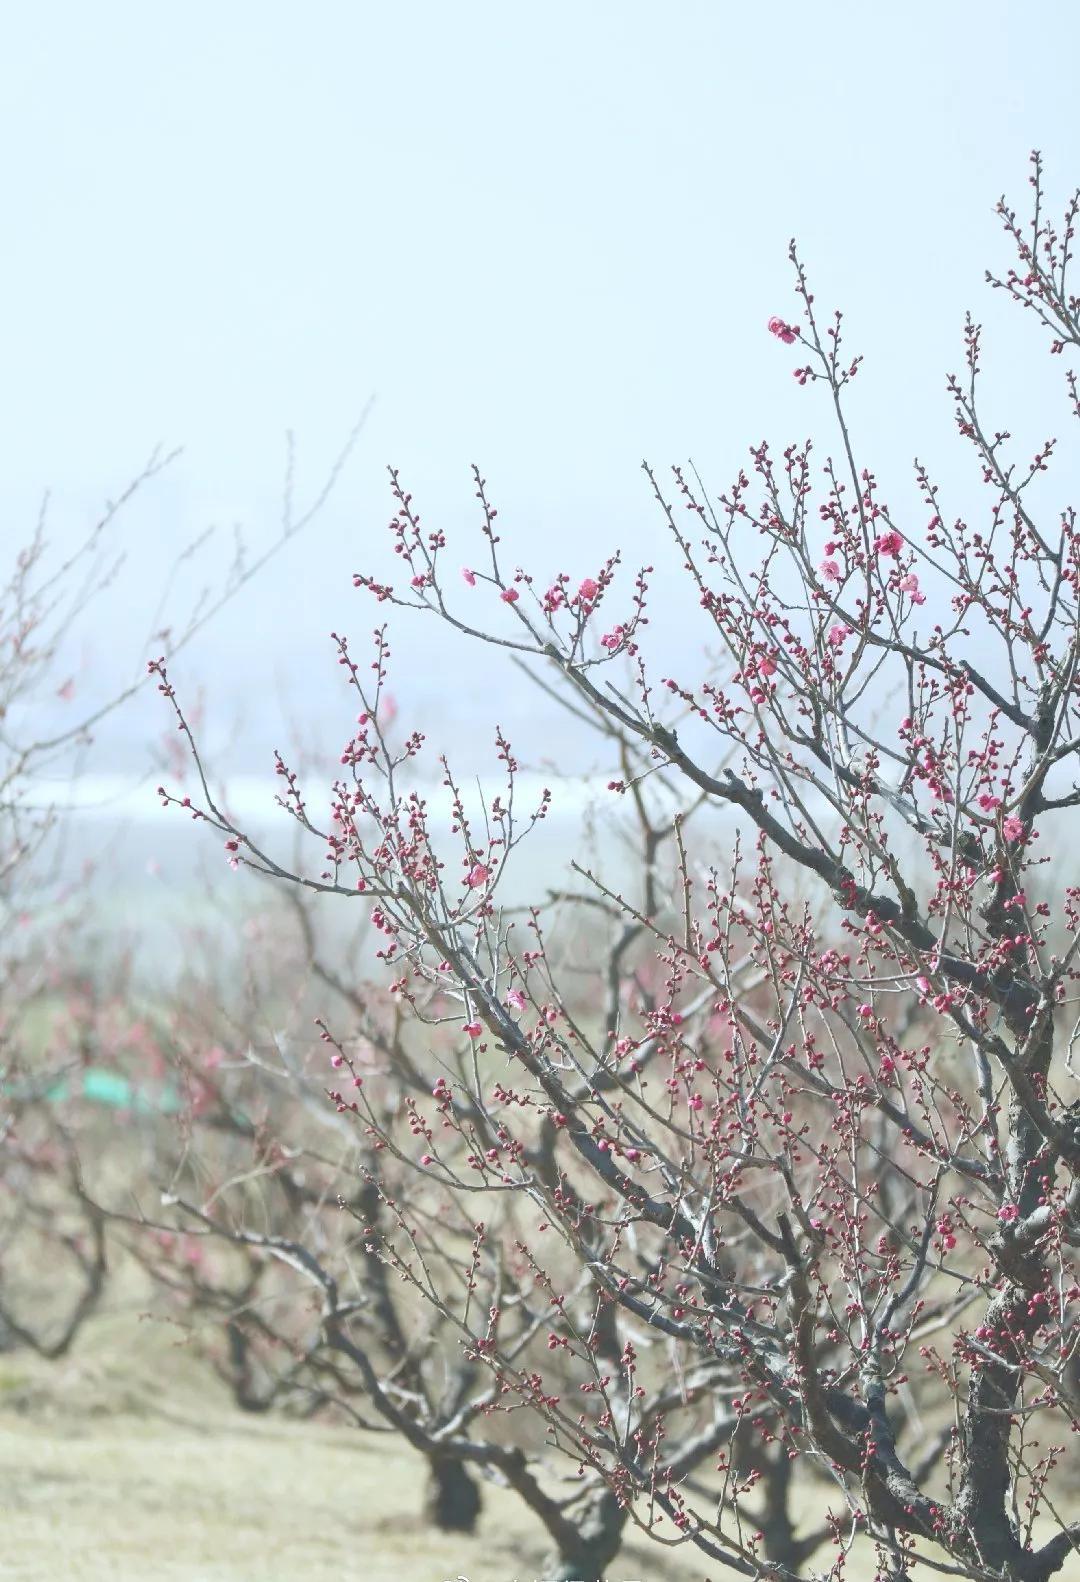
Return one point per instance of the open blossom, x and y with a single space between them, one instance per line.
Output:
588 590
611 640
988 803
1012 827
469 576
1008 1212
830 570
509 595
783 331
838 635
910 584
888 543
477 876
474 1029
515 999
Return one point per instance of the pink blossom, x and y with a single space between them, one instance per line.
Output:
516 1000
509 595
783 331
474 1029
838 635
766 666
695 1101
426 1159
1012 827
910 584
588 590
611 640
469 576
830 570
923 985
888 543
866 1012
477 876
1008 1212
988 803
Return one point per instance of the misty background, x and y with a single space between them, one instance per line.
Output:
545 239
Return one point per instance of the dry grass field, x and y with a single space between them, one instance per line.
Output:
124 1463
128 1462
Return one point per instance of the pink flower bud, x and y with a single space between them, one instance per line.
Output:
783 331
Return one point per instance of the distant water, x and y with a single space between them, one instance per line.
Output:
155 879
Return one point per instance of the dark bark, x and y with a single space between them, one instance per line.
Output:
598 1541
452 1502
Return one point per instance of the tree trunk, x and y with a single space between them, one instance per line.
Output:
599 1536
452 1501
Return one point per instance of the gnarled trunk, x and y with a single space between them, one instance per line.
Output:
452 1500
598 1540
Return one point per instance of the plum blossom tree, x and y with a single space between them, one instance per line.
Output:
278 1199
811 1130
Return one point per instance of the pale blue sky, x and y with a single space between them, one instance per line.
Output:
545 237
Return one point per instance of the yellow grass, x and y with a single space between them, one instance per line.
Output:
124 1463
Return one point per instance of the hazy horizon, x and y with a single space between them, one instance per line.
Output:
545 242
